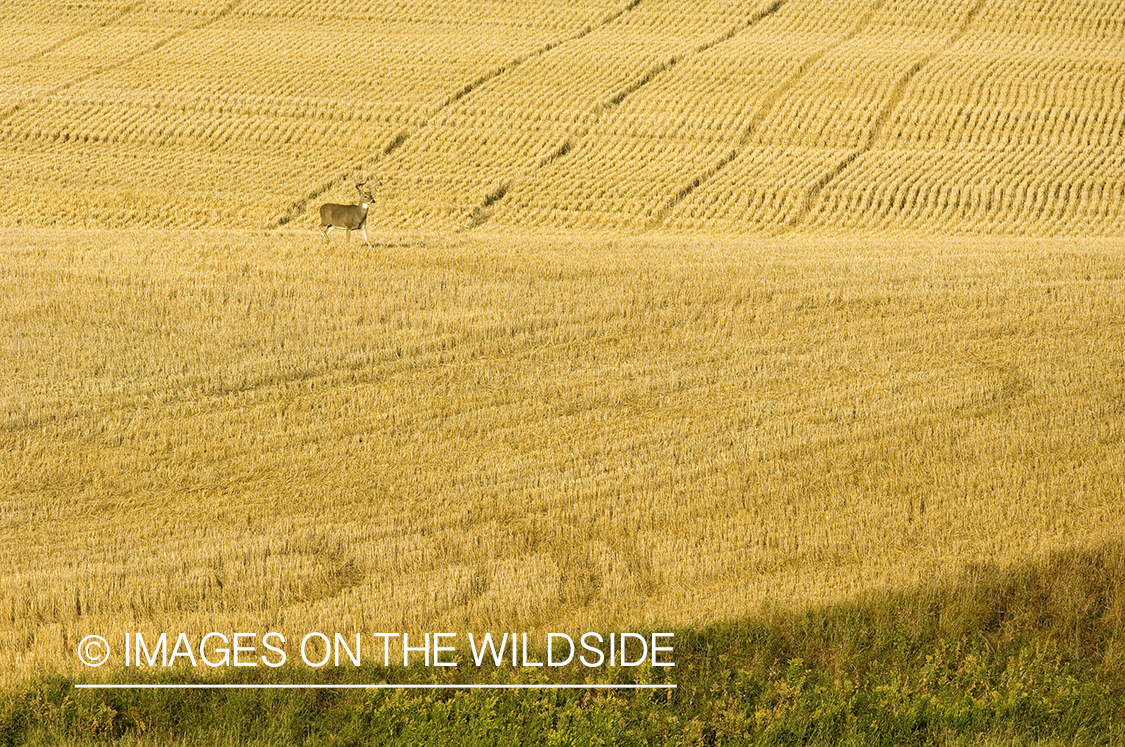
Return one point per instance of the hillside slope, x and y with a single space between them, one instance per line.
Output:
717 116
218 431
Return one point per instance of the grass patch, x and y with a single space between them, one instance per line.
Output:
1004 656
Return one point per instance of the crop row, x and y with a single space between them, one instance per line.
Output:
981 139
940 191
691 115
264 87
537 113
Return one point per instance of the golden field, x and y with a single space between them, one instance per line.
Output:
980 116
216 431
675 311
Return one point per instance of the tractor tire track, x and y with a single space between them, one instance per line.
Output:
759 116
299 206
883 117
482 212
225 11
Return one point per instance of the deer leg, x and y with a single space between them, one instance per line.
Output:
325 230
364 229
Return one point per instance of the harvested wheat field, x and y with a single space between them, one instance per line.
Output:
674 311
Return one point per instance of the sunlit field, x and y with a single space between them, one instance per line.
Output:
220 429
721 116
674 315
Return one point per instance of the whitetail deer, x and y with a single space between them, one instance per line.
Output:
349 217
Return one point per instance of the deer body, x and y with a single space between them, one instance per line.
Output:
348 217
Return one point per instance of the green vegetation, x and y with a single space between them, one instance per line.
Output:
1004 656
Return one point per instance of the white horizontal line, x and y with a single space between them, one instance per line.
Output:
280 686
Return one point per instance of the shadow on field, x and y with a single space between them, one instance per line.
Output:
1029 654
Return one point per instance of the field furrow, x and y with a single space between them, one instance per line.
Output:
477 150
614 116
235 120
939 133
529 179
302 204
44 32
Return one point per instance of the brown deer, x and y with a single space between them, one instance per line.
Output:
349 217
